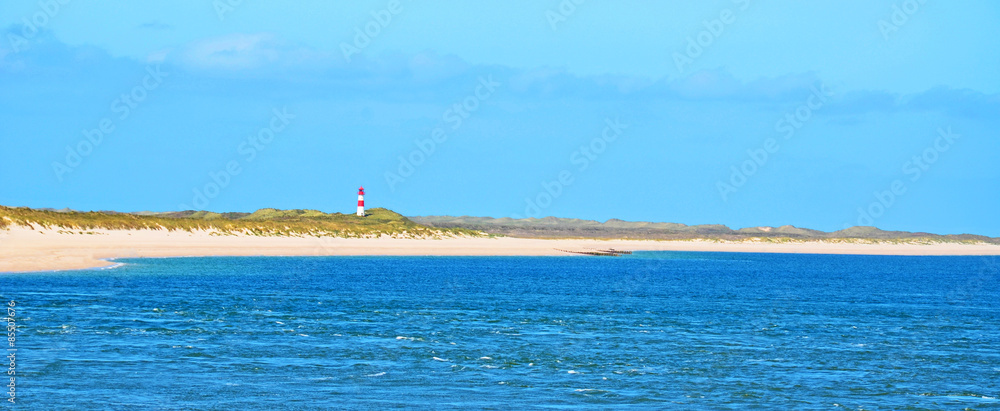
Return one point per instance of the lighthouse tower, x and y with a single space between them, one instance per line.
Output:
361 202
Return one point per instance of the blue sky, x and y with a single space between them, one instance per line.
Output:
744 113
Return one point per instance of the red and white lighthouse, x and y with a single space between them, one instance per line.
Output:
361 202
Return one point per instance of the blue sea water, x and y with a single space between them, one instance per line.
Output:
651 330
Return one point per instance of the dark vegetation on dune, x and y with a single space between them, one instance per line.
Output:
263 222
552 227
378 221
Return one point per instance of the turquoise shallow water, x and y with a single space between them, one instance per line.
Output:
652 330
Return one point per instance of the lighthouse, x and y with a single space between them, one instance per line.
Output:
361 202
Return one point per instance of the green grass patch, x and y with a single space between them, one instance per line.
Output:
263 222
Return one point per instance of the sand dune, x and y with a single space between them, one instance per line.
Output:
23 249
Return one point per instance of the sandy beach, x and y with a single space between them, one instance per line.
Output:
23 249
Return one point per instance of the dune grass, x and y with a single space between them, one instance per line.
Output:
263 222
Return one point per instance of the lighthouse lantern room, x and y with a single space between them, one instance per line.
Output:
361 202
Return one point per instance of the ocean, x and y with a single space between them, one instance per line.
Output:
649 330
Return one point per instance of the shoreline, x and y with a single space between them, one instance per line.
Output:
41 250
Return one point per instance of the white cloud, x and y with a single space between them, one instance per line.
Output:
158 56
244 52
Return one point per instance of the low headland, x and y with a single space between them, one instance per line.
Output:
45 239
